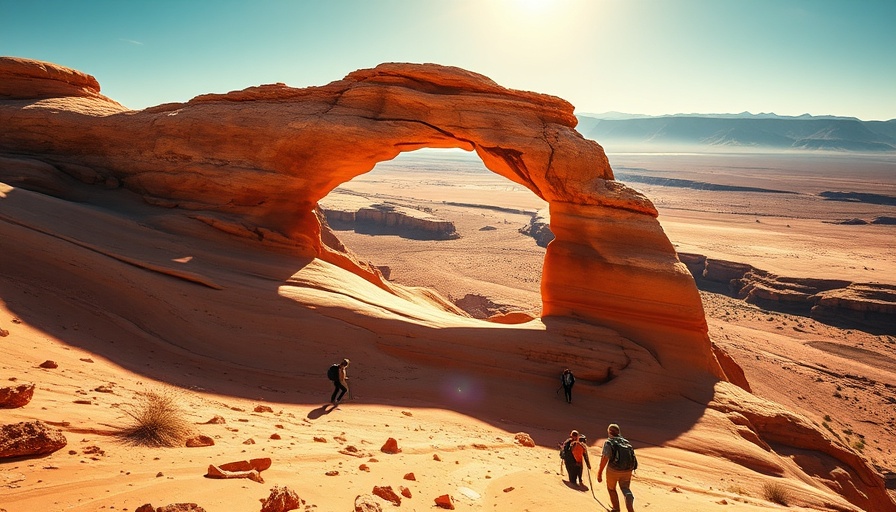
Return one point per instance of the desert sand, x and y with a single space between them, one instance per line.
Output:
128 295
469 421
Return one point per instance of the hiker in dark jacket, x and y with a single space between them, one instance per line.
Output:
575 455
339 383
567 379
621 476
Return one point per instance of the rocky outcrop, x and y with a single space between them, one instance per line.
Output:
28 439
296 145
867 306
387 219
281 499
539 228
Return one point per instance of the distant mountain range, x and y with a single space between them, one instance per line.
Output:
617 131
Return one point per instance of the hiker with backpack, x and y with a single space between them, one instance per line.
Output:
567 379
336 373
618 456
574 453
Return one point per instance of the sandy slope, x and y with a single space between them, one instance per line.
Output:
277 322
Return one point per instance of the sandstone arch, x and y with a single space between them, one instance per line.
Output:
262 158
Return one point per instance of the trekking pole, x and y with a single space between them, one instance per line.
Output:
591 485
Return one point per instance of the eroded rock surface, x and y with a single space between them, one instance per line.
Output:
29 438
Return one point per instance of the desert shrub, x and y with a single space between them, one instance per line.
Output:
776 493
156 419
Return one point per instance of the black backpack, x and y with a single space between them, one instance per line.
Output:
623 457
566 450
333 372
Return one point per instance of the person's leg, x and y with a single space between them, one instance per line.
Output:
578 479
612 477
568 392
342 390
336 387
625 482
571 471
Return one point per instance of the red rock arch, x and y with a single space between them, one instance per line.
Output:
267 154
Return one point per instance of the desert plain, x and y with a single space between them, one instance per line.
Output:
127 297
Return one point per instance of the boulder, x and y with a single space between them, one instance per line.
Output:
12 397
391 446
199 441
445 501
28 439
524 439
386 492
282 499
367 503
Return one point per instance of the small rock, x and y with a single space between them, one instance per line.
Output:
159 474
332 473
410 476
406 413
104 389
391 446
86 359
367 503
386 492
145 508
216 420
364 467
199 441
524 439
318 439
3 333
263 408
49 364
436 457
445 501
181 507
282 499
249 441
508 489
275 436
404 491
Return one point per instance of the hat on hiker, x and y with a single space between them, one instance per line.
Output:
574 433
345 362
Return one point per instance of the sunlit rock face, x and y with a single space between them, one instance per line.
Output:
262 158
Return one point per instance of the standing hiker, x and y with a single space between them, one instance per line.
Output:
574 454
567 379
336 373
618 457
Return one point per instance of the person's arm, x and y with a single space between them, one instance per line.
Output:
343 377
603 464
585 455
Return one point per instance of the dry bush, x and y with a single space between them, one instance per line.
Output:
776 493
156 420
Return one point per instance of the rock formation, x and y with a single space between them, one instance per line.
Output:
29 438
19 395
254 163
297 145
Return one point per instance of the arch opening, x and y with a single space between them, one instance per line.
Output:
438 218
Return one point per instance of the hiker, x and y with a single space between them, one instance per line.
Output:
567 379
618 457
575 453
340 386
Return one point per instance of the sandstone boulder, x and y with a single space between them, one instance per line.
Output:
28 439
385 492
12 397
367 503
390 446
281 499
445 501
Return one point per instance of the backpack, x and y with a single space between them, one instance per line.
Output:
566 450
333 372
623 457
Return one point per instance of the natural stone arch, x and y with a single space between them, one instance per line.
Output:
264 156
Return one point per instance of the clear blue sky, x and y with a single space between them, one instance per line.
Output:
790 57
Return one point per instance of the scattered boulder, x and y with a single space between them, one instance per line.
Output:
216 420
391 446
145 508
332 473
250 469
281 499
404 491
29 438
199 441
49 364
275 436
3 333
445 501
386 492
410 476
263 408
12 397
524 439
367 503
436 457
